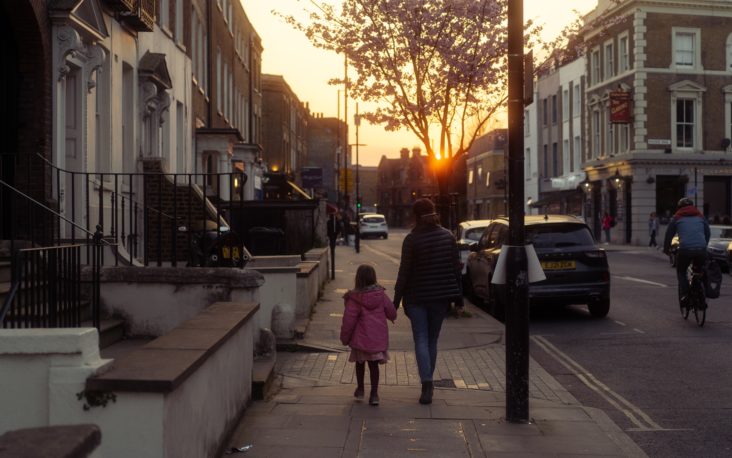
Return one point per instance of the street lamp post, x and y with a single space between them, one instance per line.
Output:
357 123
517 282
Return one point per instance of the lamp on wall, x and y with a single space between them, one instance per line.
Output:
617 179
586 185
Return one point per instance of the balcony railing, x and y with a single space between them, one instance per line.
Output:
141 17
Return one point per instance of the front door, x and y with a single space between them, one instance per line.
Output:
75 185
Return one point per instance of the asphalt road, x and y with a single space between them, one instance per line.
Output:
662 379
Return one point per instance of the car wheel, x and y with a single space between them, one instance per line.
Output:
599 309
386 236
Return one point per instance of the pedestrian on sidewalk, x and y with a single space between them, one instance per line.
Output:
653 229
365 330
428 281
608 222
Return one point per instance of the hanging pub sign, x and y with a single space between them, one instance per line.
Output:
620 107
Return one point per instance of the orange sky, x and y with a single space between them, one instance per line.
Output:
287 52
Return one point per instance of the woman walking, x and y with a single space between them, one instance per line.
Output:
653 229
428 281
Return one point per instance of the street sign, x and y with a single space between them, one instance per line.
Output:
312 177
351 181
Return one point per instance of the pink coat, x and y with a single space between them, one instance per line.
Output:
364 320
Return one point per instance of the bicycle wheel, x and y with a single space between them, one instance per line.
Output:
700 305
684 310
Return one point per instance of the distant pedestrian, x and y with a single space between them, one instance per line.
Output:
365 330
653 229
428 281
607 223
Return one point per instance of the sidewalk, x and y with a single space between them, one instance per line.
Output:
314 414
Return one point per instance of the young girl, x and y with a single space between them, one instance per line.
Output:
364 329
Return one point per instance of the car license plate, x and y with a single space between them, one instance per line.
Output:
226 252
559 265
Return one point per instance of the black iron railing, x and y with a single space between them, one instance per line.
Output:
153 218
47 289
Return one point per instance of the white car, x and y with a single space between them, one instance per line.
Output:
469 232
373 225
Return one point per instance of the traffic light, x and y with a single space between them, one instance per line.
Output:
358 204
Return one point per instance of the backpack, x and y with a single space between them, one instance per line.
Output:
713 280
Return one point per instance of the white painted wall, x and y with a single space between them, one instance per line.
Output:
307 289
41 370
278 298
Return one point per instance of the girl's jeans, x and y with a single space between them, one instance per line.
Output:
426 324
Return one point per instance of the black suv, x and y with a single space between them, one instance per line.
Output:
576 268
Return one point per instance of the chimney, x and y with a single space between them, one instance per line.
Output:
416 152
404 153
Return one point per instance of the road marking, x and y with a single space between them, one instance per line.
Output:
640 280
638 331
620 323
381 253
636 416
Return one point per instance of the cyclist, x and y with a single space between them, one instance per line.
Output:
693 230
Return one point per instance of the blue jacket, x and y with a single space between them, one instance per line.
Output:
692 228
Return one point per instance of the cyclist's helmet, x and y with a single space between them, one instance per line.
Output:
684 202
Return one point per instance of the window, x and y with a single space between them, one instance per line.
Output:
565 104
555 160
609 60
624 51
179 21
685 123
480 171
554 109
544 110
576 159
165 14
595 66
687 50
595 133
729 53
566 157
545 170
219 80
610 135
527 163
527 123
624 131
470 176
576 101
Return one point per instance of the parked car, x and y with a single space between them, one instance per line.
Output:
373 224
576 269
718 248
469 233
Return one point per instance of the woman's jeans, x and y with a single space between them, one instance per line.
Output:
426 324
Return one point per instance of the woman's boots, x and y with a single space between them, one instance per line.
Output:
427 390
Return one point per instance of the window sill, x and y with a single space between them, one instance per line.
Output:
167 31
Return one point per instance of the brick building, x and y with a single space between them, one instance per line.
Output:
487 176
401 182
324 146
674 62
284 129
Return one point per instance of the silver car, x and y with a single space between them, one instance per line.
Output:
468 233
373 225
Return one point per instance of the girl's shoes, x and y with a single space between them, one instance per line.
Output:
358 394
374 399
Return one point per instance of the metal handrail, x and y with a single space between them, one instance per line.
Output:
9 299
52 211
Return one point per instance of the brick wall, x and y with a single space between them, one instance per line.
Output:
180 201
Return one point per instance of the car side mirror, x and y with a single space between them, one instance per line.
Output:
474 247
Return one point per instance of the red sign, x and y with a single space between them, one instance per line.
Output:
620 107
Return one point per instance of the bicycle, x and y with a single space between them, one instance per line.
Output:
696 298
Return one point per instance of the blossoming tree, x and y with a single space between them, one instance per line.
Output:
435 67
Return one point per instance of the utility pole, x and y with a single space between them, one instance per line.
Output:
338 151
345 152
357 122
517 278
